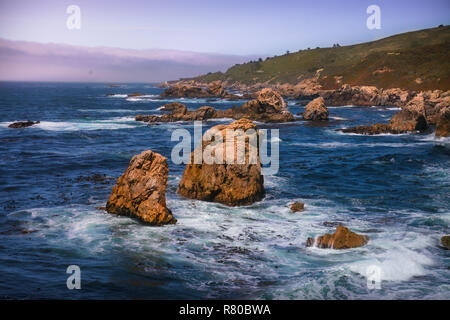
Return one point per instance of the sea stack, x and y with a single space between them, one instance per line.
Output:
232 184
141 191
316 110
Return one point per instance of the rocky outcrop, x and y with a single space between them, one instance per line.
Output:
297 206
316 110
269 106
181 113
402 122
141 191
232 184
343 238
174 107
445 241
365 96
22 124
443 123
185 92
214 90
407 121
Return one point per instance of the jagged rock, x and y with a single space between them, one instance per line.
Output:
316 110
377 128
141 191
22 124
402 122
445 240
232 184
269 106
183 91
180 113
443 123
217 90
407 121
343 238
297 206
175 107
146 118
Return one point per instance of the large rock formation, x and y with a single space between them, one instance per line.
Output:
316 110
402 122
23 124
214 90
343 238
181 113
174 107
443 123
269 106
141 191
407 121
233 184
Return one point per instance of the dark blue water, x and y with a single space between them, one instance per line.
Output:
395 189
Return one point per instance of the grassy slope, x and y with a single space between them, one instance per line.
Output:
420 54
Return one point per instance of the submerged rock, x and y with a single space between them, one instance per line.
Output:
141 191
316 110
135 94
297 206
232 184
343 238
445 240
22 124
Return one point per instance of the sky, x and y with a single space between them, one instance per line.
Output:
241 27
158 40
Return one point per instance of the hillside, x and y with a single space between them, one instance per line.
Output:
417 60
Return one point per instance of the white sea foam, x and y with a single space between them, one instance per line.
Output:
104 124
117 96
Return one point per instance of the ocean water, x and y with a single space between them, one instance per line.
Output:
395 189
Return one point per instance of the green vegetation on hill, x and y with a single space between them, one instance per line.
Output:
417 60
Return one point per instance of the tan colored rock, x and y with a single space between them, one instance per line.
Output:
408 121
443 123
174 107
269 106
402 122
297 206
445 240
343 238
141 191
231 184
316 110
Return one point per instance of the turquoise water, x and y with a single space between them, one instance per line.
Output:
395 189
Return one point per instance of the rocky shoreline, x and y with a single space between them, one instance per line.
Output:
419 110
140 192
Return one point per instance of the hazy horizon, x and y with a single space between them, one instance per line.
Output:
142 41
